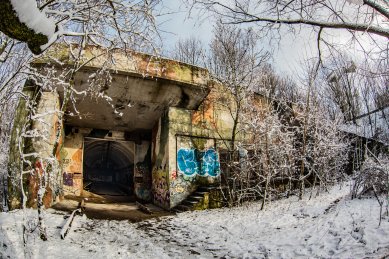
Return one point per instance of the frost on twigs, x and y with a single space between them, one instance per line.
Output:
372 179
356 2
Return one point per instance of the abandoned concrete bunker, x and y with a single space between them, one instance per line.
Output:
154 140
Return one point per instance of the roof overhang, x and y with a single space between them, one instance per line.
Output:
141 89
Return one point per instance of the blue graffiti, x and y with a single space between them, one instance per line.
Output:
187 162
205 163
210 163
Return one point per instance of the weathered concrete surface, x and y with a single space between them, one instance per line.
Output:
186 147
15 165
160 163
135 103
131 63
141 89
72 164
178 120
48 127
196 138
44 144
142 171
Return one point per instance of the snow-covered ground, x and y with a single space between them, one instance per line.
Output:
327 226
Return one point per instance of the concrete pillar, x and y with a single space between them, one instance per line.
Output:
15 197
44 144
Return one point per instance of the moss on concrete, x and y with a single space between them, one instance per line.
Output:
215 199
15 162
58 51
13 28
203 204
199 143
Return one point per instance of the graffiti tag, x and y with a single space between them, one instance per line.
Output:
68 179
187 161
204 163
210 163
160 188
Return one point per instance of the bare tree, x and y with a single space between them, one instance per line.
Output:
76 27
342 88
234 63
281 142
190 51
355 16
274 86
354 90
113 24
365 20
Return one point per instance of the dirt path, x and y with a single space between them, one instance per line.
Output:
113 211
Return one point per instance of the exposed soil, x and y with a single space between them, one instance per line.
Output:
110 208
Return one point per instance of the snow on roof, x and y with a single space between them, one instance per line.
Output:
374 125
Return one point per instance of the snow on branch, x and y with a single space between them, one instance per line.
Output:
29 14
354 15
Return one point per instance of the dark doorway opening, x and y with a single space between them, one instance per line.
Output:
109 168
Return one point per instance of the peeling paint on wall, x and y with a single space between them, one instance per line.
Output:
71 155
161 192
68 179
160 159
50 126
142 175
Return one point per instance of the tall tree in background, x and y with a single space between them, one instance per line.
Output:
190 51
234 62
365 20
275 86
352 89
342 87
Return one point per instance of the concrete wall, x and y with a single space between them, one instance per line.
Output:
193 153
185 146
43 137
72 164
195 139
15 165
142 174
50 130
160 162
141 64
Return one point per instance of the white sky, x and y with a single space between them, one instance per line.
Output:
288 54
287 57
178 24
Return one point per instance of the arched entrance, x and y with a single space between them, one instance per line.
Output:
109 167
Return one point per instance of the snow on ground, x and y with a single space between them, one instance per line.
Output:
328 226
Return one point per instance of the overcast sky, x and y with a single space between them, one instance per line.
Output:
289 54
